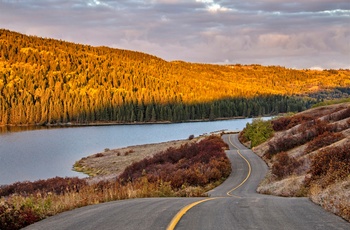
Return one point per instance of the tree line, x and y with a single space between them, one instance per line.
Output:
47 81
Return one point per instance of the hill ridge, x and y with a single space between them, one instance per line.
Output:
40 77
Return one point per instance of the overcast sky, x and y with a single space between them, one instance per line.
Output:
296 34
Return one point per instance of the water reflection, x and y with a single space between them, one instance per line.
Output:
32 153
8 129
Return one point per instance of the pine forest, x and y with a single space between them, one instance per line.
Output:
45 81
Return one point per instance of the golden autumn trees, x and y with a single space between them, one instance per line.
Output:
46 81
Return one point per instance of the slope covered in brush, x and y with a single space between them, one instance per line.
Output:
309 155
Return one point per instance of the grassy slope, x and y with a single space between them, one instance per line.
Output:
293 167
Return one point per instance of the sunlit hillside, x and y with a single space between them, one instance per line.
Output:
45 81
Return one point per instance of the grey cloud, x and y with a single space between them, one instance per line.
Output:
287 6
294 34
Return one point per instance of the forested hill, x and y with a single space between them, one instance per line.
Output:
47 81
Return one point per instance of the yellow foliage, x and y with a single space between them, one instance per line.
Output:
113 76
27 49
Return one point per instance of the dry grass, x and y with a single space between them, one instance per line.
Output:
18 211
335 198
291 186
321 166
111 163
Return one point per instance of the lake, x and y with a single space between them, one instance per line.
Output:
45 153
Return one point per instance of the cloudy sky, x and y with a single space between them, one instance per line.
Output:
296 34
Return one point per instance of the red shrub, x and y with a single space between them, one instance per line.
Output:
13 219
285 123
331 164
284 165
323 140
195 164
340 115
306 132
56 185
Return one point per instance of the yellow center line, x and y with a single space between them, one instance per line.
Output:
249 169
183 211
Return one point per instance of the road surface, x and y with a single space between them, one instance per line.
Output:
233 205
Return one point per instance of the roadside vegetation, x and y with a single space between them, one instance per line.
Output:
196 164
188 171
309 155
257 132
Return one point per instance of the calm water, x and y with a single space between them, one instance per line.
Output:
45 153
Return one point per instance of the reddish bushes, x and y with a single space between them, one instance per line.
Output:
18 216
323 140
310 128
12 218
57 185
330 164
340 115
284 165
285 123
306 132
197 164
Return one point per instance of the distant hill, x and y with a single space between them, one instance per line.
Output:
47 81
309 155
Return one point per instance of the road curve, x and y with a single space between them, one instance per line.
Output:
236 205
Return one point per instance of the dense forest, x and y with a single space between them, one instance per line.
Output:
46 81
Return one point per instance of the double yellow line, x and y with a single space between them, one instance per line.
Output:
183 211
249 168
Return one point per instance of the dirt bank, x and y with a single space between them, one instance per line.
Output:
110 163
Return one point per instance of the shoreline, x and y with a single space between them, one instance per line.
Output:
110 123
107 123
109 164
27 127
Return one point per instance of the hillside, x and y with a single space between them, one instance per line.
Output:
47 81
309 155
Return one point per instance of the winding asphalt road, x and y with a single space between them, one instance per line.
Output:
233 205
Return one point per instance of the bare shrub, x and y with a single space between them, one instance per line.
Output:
194 164
284 165
127 153
57 185
12 218
323 140
340 115
307 131
98 155
285 123
329 165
